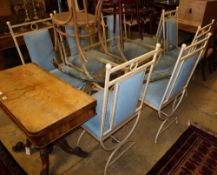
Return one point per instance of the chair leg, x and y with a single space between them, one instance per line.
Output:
163 127
113 159
80 137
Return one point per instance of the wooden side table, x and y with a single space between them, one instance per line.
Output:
44 107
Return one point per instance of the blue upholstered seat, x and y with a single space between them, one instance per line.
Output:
42 53
129 93
67 78
131 50
92 65
155 92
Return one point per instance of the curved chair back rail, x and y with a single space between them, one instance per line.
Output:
168 93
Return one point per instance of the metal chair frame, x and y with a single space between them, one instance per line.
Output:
143 63
169 98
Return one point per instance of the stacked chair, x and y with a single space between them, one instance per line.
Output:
119 102
165 95
80 29
40 47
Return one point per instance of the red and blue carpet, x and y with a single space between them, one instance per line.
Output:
194 153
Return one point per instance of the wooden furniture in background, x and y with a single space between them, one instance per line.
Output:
14 12
194 13
5 8
43 107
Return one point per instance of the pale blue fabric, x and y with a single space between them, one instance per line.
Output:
184 75
148 40
131 50
40 48
164 67
67 78
155 92
171 33
173 53
160 74
129 92
110 24
165 62
92 65
157 89
72 41
42 53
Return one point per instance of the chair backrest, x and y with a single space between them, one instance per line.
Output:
37 39
121 94
202 31
40 48
167 32
185 65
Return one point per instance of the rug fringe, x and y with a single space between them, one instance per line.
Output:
205 129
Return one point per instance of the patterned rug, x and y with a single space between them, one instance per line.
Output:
8 166
194 153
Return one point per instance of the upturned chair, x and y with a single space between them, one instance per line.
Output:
79 26
40 47
166 95
119 103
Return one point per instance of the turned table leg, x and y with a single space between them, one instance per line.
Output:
63 144
44 154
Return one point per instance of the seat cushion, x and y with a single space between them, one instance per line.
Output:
92 65
131 50
173 53
67 78
155 93
93 125
165 62
160 74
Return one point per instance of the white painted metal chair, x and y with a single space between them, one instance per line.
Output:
167 32
167 35
119 103
165 65
165 95
40 47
